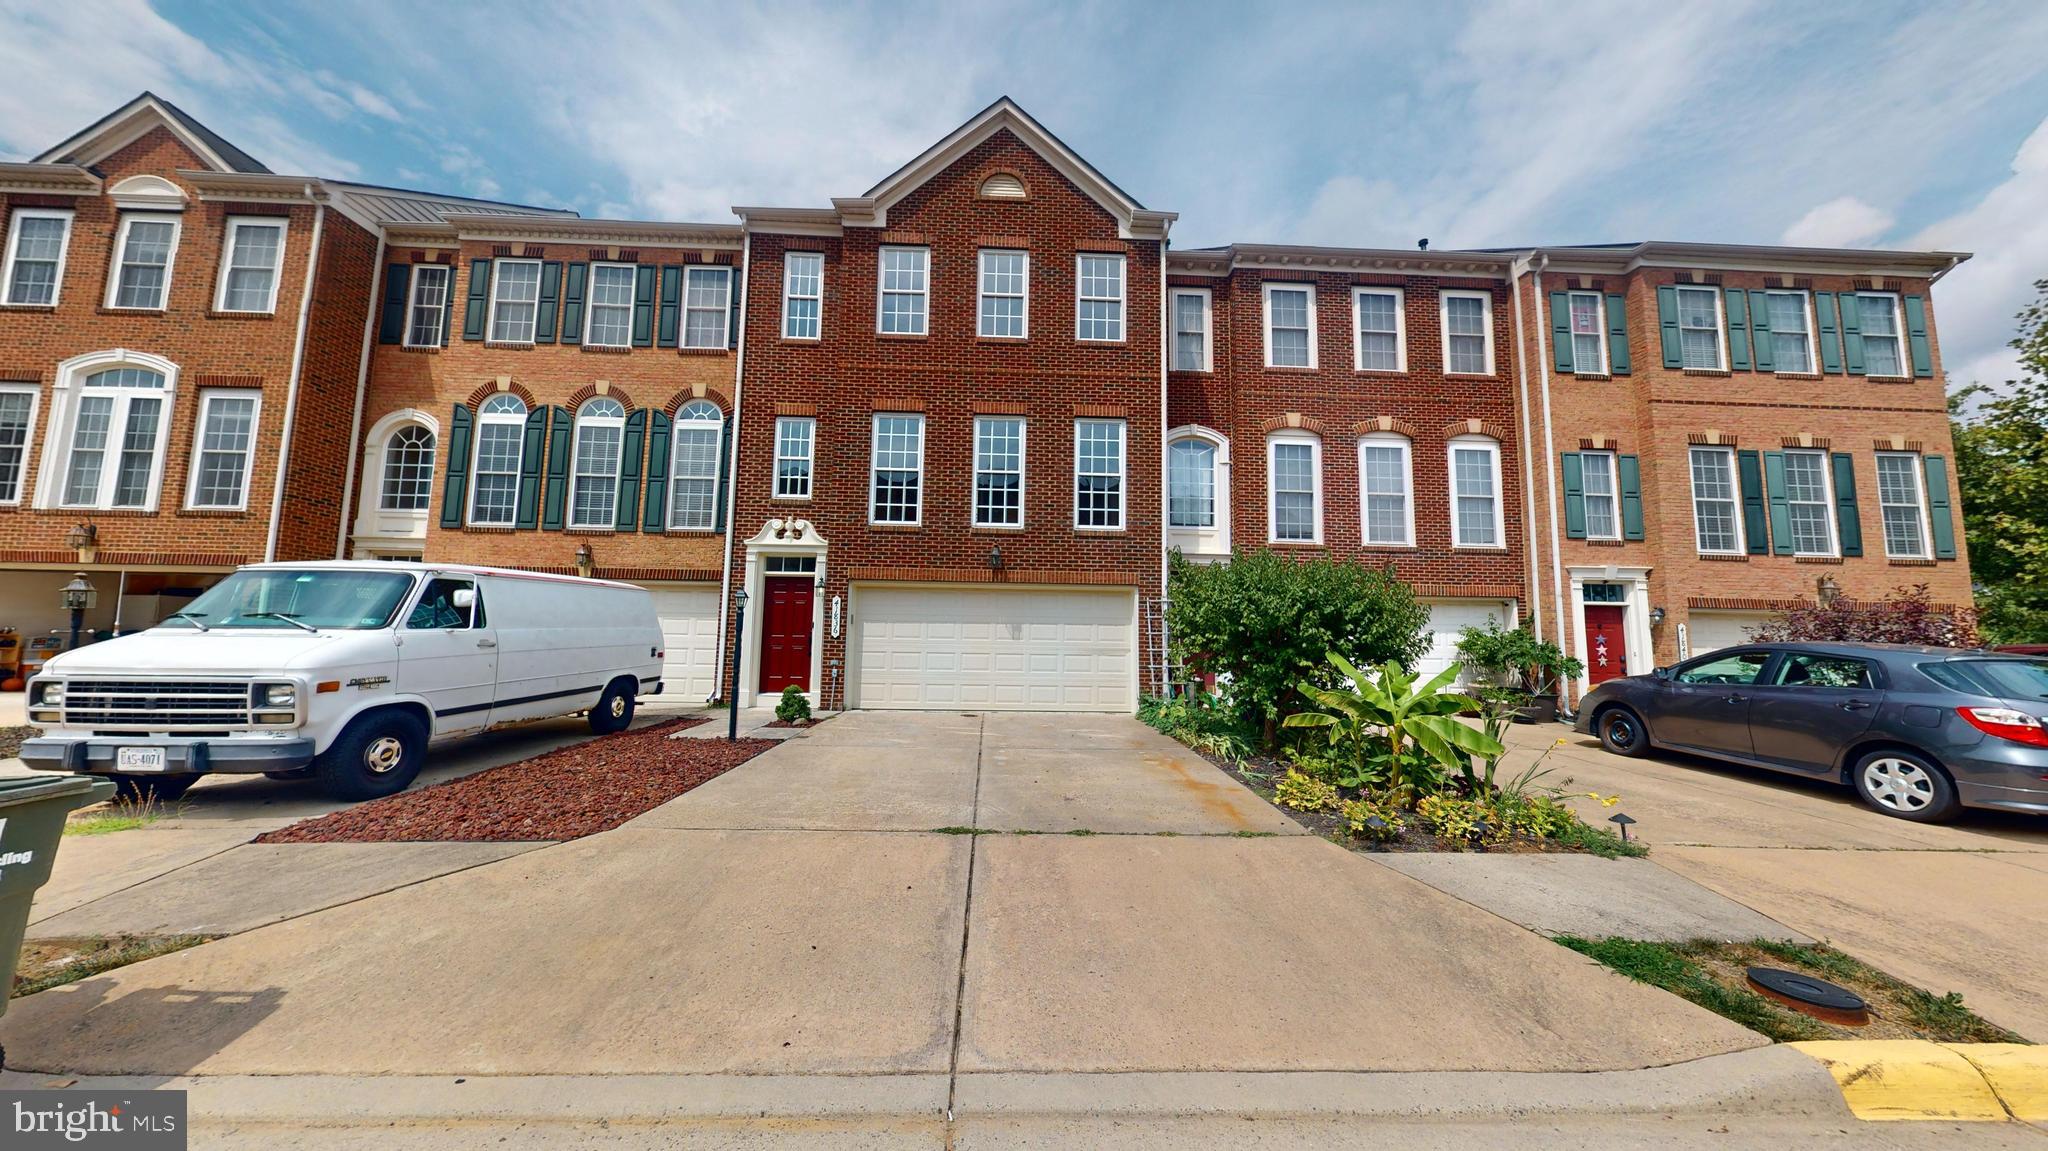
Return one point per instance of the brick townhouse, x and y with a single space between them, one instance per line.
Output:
931 445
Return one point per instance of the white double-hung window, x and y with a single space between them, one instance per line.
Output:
37 241
999 471
1716 510
1589 333
494 477
1699 328
707 306
1902 501
1099 298
144 251
515 300
1878 313
17 419
896 467
113 448
1468 333
693 466
608 320
227 436
426 323
594 472
250 264
1191 329
803 294
1004 306
1596 480
1791 337
1809 509
1099 475
1290 325
1294 482
1381 330
903 305
1475 493
1385 475
795 438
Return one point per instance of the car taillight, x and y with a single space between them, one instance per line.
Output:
2005 723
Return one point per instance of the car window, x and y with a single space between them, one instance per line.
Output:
2013 678
1742 667
437 609
1805 669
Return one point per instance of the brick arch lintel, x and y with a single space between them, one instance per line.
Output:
1293 421
699 391
490 388
596 388
1475 427
1384 424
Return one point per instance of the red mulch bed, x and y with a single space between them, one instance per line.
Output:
579 790
795 723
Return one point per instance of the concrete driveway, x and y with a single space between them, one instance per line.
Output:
1956 907
937 896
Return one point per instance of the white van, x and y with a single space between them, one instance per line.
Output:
342 672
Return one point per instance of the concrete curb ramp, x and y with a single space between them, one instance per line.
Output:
1909 1079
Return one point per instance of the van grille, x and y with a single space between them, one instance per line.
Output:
156 704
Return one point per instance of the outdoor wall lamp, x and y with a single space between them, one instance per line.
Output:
586 563
1827 590
85 540
995 558
1656 616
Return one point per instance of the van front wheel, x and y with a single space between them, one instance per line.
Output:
614 710
377 755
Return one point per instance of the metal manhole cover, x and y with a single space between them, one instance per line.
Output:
1814 996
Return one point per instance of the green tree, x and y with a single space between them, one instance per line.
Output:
2001 439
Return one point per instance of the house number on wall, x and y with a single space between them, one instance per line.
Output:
835 617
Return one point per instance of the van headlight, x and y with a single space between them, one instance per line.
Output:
279 695
49 693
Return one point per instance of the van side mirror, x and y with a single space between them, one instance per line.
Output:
463 599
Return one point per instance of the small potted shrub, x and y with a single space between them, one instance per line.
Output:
1520 670
793 709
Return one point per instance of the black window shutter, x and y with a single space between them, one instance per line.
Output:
671 305
448 305
1828 334
1629 472
1750 468
1760 329
397 280
560 423
455 488
529 467
1781 510
1736 305
1561 336
732 306
550 298
657 473
1938 514
643 306
1848 524
572 302
1916 335
1852 333
725 466
1667 323
473 319
1574 495
629 470
1617 335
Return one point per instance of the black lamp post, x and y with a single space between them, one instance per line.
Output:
79 596
732 686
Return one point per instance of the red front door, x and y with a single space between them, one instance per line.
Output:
1606 649
786 634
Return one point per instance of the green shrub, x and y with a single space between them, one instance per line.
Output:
1201 721
1267 620
1460 820
1516 657
792 707
1394 728
1372 818
1304 793
1538 817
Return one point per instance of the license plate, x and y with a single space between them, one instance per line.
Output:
139 758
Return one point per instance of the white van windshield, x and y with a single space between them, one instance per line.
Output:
297 600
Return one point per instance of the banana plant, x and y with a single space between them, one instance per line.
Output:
1414 726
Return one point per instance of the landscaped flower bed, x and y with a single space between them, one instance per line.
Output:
579 790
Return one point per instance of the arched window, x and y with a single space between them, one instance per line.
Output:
594 490
113 451
408 469
500 444
1385 482
1191 483
693 467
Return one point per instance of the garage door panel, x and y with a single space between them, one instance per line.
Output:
1024 649
1447 620
688 614
1712 630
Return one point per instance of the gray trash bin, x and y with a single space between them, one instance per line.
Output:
32 814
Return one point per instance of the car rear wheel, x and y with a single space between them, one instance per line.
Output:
377 755
1905 785
614 710
162 788
1621 732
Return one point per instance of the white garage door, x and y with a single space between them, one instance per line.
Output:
689 632
1449 618
1711 630
1002 649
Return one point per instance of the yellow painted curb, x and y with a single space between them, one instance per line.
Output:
1887 1079
2016 1071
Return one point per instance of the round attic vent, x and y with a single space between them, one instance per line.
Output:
1002 186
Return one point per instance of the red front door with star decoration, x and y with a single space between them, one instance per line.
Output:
1606 649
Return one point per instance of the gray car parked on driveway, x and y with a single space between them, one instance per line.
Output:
1919 732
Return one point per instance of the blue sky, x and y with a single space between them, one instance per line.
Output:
1474 124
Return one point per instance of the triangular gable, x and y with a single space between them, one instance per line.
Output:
128 123
1133 218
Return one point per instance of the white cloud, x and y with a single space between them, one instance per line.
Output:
2008 231
1843 222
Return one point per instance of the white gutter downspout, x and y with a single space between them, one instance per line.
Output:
1165 498
355 425
1534 566
291 397
732 484
1564 629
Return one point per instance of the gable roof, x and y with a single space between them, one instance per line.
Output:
122 126
871 209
